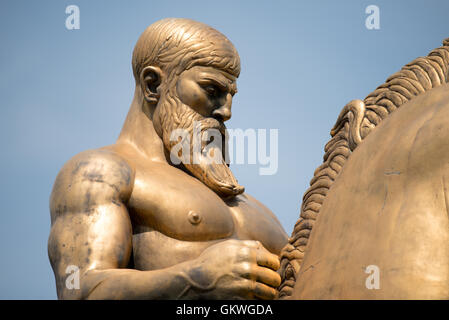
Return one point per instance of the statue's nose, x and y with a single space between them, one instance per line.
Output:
223 113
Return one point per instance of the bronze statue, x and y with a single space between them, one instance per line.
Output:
380 198
140 220
138 225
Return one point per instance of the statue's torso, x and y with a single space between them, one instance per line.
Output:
389 208
175 217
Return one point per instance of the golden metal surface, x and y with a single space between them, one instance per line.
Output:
140 227
380 199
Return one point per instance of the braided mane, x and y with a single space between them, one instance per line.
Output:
357 119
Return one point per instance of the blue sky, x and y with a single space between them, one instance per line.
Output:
64 91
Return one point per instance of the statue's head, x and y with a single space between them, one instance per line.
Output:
187 74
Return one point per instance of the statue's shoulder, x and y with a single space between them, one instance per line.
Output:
98 175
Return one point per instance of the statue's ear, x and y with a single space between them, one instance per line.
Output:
150 80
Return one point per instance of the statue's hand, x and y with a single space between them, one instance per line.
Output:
235 269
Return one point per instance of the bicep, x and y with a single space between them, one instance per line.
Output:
99 239
91 228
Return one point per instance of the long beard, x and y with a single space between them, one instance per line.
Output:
206 159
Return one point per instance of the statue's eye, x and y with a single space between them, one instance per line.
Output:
212 90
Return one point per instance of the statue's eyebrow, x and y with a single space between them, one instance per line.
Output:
226 84
222 84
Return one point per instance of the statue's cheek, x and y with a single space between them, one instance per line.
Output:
191 94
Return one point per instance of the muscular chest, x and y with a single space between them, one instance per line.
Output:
179 206
182 208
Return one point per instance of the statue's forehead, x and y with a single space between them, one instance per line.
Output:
216 73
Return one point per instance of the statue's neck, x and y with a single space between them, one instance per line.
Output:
138 130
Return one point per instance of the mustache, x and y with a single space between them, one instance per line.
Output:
212 123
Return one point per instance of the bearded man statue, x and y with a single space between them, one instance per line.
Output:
146 219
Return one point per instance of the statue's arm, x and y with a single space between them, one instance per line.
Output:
91 230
